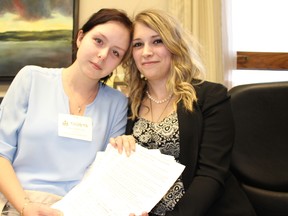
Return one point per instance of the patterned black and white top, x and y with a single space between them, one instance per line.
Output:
163 135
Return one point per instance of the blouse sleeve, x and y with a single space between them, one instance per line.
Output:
216 134
120 117
13 111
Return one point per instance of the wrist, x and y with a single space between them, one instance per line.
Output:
26 203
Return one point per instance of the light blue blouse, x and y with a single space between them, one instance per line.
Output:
29 130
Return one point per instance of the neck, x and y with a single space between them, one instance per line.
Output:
74 81
79 91
158 90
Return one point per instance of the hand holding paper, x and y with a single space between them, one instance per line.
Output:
117 185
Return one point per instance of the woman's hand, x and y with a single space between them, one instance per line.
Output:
125 141
38 209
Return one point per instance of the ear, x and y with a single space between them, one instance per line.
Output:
80 36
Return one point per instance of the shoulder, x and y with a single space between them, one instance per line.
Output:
32 76
30 72
210 93
34 70
113 94
207 88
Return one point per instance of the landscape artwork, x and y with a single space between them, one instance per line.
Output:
36 32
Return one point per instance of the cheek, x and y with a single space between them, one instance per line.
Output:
167 55
84 52
113 63
136 56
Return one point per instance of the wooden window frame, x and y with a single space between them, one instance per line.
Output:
262 61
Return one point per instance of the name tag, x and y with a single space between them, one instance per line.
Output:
76 127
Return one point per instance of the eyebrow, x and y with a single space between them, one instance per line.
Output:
120 48
153 36
107 40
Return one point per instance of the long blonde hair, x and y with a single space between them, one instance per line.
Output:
186 64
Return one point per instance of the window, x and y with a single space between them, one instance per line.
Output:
260 37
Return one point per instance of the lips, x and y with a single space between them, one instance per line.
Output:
149 62
96 66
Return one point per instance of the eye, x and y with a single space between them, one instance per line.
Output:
137 44
99 41
116 53
158 41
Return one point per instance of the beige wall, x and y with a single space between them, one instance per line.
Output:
88 7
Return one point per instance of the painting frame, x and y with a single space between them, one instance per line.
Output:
7 75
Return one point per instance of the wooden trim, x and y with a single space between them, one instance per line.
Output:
262 61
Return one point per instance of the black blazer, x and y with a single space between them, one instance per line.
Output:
206 139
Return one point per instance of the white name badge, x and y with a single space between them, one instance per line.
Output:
76 127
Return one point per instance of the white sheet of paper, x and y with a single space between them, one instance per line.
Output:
117 185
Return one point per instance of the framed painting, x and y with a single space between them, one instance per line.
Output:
34 32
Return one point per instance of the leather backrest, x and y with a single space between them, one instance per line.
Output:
260 152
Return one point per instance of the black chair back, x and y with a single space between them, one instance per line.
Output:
260 152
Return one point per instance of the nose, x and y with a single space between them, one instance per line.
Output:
102 54
147 50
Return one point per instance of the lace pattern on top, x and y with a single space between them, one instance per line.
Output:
163 135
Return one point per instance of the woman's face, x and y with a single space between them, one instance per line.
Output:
101 49
151 56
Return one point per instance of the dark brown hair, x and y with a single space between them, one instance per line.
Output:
105 15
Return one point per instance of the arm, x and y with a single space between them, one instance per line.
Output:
12 116
118 113
13 191
13 111
204 178
126 142
10 186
